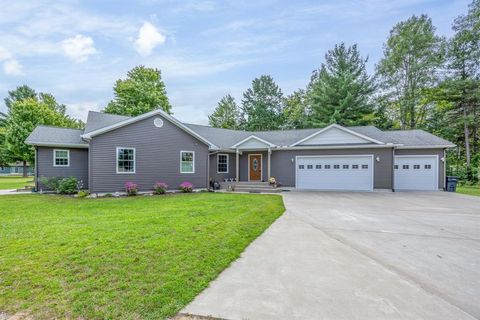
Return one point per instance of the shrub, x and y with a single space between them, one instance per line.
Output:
160 188
51 183
131 188
68 186
108 195
83 193
186 187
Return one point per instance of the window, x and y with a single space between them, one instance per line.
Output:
309 166
346 166
416 166
222 163
405 166
395 166
187 159
301 166
318 166
428 166
125 160
327 166
354 166
364 166
61 158
336 166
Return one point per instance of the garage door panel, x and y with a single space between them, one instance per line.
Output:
416 172
335 172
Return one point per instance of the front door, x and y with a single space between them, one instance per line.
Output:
255 167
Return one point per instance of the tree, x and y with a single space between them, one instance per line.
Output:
20 93
226 114
262 105
340 91
295 112
463 63
3 124
142 91
412 55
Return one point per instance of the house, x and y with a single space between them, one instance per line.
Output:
155 147
15 168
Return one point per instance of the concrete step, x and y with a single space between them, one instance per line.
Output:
242 186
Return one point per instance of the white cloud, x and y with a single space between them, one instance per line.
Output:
4 54
148 38
12 67
78 48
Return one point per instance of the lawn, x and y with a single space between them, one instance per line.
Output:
14 182
127 258
470 190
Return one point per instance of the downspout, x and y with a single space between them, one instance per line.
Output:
393 169
36 169
208 171
445 169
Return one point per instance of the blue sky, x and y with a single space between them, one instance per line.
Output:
205 49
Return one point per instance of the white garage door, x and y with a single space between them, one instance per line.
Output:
335 172
416 172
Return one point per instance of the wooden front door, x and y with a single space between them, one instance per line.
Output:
255 167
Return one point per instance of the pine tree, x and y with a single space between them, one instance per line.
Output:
340 91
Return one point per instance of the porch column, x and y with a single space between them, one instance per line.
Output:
268 163
237 166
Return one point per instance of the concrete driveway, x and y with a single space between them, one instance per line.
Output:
357 256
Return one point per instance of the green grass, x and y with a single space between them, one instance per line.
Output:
470 190
128 258
14 182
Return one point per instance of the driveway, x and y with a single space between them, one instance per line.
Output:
357 256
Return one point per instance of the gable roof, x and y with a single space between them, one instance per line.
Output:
336 126
97 120
56 137
224 139
253 137
129 120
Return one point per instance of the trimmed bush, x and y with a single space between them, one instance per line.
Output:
160 188
68 186
131 188
186 187
83 193
51 183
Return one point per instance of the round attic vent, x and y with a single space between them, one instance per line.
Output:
158 122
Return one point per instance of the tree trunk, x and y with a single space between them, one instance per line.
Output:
24 168
467 139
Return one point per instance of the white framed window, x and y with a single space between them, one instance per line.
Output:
187 162
61 158
222 163
125 160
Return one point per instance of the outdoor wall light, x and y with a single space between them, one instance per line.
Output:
377 158
442 159
293 160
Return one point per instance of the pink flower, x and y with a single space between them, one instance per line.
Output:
186 186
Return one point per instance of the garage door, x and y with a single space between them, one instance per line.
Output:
335 172
416 172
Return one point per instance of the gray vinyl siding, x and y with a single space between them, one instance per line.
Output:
214 175
284 170
78 167
437 152
157 153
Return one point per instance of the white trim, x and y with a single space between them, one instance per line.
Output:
134 160
353 146
420 156
372 162
426 147
228 162
338 127
193 162
120 124
252 137
261 165
55 157
58 145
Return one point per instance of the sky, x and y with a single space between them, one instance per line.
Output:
205 49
